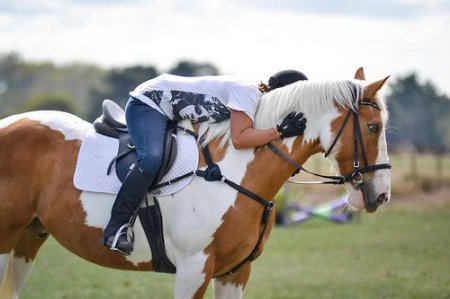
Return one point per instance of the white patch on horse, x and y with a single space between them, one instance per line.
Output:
71 126
316 125
190 276
17 273
97 207
382 177
227 290
289 143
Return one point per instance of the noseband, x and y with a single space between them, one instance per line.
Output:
358 143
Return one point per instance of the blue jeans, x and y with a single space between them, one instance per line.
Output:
147 129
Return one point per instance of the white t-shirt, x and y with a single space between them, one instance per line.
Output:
199 99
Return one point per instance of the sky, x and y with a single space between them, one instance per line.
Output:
250 39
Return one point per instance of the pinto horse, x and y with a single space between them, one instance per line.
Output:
209 227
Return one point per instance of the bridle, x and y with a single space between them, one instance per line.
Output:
358 143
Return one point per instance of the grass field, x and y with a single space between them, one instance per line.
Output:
401 251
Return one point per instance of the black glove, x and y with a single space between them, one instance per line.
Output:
292 125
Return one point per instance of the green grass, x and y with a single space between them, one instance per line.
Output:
402 251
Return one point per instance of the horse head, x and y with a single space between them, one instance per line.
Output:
370 189
346 122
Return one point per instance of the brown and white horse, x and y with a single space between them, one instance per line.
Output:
208 226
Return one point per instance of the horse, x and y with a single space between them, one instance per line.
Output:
210 229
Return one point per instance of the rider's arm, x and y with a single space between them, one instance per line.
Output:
243 135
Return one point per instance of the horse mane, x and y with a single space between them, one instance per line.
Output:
310 97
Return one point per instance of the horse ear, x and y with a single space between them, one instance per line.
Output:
371 89
359 75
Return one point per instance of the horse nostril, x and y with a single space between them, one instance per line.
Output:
383 197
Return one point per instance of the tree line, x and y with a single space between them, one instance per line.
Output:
418 112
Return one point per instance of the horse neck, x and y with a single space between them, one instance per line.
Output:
280 169
261 170
266 172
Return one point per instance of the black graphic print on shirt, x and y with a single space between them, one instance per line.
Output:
154 95
189 105
198 107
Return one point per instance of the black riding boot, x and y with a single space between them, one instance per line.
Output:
135 187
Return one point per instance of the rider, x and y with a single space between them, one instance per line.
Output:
171 98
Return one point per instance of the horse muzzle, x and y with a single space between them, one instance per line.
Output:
364 196
372 199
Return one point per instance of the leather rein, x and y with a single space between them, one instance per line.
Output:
357 175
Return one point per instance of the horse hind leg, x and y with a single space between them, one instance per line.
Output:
16 266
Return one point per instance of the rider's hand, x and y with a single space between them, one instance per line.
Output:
292 125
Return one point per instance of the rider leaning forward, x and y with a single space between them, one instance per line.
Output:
172 98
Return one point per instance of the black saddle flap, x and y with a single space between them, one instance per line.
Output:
127 154
170 150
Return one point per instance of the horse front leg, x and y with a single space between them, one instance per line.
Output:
193 277
232 286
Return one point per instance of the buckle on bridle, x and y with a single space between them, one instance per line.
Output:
357 178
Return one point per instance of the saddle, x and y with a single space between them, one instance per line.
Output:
112 123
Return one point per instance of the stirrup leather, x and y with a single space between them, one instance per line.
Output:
127 231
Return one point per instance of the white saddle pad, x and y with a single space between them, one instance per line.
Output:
97 151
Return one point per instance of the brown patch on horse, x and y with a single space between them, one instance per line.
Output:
42 180
241 227
28 245
19 179
239 278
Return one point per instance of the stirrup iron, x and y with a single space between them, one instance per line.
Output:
127 231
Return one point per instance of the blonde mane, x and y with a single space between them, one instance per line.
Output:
310 97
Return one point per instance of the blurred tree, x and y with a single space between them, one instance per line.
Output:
52 101
118 83
418 116
21 81
190 69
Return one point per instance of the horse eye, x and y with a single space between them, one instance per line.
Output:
374 128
